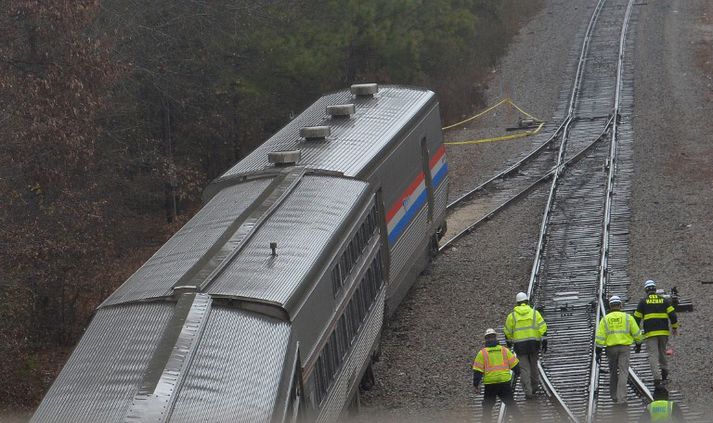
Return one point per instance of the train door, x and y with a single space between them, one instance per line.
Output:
425 158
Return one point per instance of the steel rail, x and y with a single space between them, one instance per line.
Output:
606 223
639 386
517 165
547 175
534 274
570 112
562 128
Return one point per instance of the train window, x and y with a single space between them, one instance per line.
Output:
349 323
333 358
353 252
347 261
336 280
365 298
344 265
364 232
354 315
328 363
361 239
361 307
343 336
372 219
367 283
320 383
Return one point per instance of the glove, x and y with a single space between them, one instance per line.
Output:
544 346
509 344
599 354
637 348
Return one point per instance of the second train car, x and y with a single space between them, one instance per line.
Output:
268 304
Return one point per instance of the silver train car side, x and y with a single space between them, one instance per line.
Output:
267 306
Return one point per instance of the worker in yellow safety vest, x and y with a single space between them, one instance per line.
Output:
526 331
661 409
492 365
616 332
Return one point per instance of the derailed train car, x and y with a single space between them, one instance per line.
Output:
268 304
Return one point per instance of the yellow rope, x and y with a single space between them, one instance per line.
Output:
503 138
457 124
489 109
522 111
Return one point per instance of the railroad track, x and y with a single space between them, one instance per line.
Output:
582 253
583 249
570 273
478 205
571 266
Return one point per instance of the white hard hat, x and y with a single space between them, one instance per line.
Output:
520 297
490 331
614 299
649 284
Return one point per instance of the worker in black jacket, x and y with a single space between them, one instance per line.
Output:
656 312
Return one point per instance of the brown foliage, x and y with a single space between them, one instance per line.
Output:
107 136
54 81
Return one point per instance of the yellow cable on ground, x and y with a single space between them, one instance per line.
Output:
522 111
503 138
505 100
489 109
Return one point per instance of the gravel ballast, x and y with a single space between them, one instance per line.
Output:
672 191
423 374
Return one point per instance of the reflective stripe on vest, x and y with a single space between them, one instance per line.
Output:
648 316
495 370
495 367
612 330
534 335
660 411
626 330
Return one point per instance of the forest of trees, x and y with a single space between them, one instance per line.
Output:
114 114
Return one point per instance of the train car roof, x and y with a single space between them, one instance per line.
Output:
355 142
225 249
236 372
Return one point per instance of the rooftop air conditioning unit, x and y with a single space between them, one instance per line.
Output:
341 110
365 90
284 158
315 132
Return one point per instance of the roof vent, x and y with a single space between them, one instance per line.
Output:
184 289
315 132
284 158
365 90
341 110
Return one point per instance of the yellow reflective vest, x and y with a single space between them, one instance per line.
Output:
495 364
661 411
617 328
524 324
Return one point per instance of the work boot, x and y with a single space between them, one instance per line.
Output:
664 374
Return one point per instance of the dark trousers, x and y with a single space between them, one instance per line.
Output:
504 392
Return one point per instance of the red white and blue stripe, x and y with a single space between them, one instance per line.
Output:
408 205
